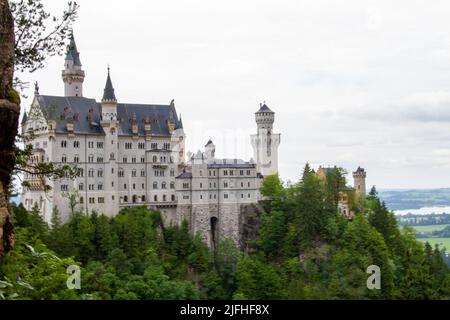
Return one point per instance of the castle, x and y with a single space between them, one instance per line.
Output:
134 155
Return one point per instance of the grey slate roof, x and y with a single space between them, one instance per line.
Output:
64 109
79 109
108 93
185 175
157 114
264 108
72 52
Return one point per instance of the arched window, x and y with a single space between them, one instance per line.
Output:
163 185
173 197
155 159
125 198
155 185
164 198
155 198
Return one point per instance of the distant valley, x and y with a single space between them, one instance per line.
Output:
415 198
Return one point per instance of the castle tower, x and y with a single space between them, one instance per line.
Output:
359 181
265 143
210 150
111 152
73 75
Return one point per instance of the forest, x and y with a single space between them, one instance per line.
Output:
305 250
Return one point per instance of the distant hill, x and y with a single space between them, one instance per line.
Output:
415 198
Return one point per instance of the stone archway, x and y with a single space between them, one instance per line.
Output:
214 232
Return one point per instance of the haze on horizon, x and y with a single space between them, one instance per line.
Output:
354 83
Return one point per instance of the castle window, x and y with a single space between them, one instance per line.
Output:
242 184
125 199
141 145
155 158
155 198
225 184
154 145
172 185
163 185
99 159
248 196
248 172
142 173
185 197
100 145
201 197
172 172
64 187
155 185
166 146
121 173
128 145
133 159
81 187
143 186
81 200
225 172
142 160
101 200
172 197
111 156
91 172
134 186
100 186
143 198
225 196
81 172
201 173
112 198
248 183
90 158
100 173
133 173
186 185
90 144
134 199
125 186
242 196
63 144
125 160
76 144
64 158
201 185
231 172
241 172
164 198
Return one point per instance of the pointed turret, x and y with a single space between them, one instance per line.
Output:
24 118
108 93
180 123
72 52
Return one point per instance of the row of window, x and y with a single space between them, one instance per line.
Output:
76 144
76 159
128 145
214 196
186 185
227 172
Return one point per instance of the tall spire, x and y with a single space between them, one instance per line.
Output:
108 93
72 52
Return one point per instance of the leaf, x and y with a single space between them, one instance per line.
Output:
25 284
4 284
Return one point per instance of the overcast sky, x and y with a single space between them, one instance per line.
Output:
352 82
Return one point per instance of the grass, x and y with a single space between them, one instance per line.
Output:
430 228
442 242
